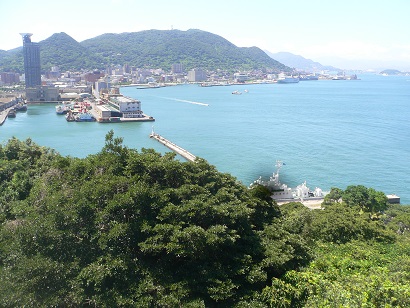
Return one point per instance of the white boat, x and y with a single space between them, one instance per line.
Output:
236 92
288 79
281 192
84 117
63 108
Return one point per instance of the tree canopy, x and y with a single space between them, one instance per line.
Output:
136 228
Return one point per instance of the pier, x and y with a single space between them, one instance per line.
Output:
172 146
4 113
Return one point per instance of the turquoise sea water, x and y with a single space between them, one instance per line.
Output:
328 133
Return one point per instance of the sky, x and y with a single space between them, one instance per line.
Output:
349 34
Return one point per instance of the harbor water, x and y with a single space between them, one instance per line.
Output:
328 133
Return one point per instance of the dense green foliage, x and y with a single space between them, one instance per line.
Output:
63 51
145 49
193 48
141 229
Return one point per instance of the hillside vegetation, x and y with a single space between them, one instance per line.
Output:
146 49
124 228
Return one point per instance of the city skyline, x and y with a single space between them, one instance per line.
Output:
350 34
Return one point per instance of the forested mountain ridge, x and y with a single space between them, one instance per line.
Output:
127 228
193 48
65 52
145 49
59 50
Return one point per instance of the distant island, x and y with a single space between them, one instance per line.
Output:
393 72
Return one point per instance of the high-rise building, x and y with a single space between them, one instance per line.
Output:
31 52
196 75
177 68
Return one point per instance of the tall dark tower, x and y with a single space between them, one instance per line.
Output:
31 52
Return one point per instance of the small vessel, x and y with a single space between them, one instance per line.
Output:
62 109
84 117
236 92
288 79
70 117
20 107
11 113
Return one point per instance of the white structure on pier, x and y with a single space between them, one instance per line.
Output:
130 108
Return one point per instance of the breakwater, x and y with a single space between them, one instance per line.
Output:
172 146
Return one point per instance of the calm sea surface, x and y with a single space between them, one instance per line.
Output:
328 133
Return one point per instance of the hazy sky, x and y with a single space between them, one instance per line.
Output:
345 33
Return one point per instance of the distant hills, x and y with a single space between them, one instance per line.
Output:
149 49
300 63
393 72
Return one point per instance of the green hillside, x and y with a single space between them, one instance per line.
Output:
145 49
193 48
65 52
123 228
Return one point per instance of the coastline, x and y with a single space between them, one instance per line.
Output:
3 115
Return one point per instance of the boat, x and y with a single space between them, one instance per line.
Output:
308 77
288 79
20 107
281 192
84 117
236 92
62 109
70 117
11 113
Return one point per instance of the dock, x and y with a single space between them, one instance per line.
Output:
172 146
3 114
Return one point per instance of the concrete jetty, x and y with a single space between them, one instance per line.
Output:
172 146
3 115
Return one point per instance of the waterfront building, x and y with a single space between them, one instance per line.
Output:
42 94
239 77
129 107
196 75
31 53
103 113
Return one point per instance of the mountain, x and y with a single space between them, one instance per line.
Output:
300 63
148 49
193 48
3 54
62 50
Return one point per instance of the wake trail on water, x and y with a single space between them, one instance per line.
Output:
183 100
